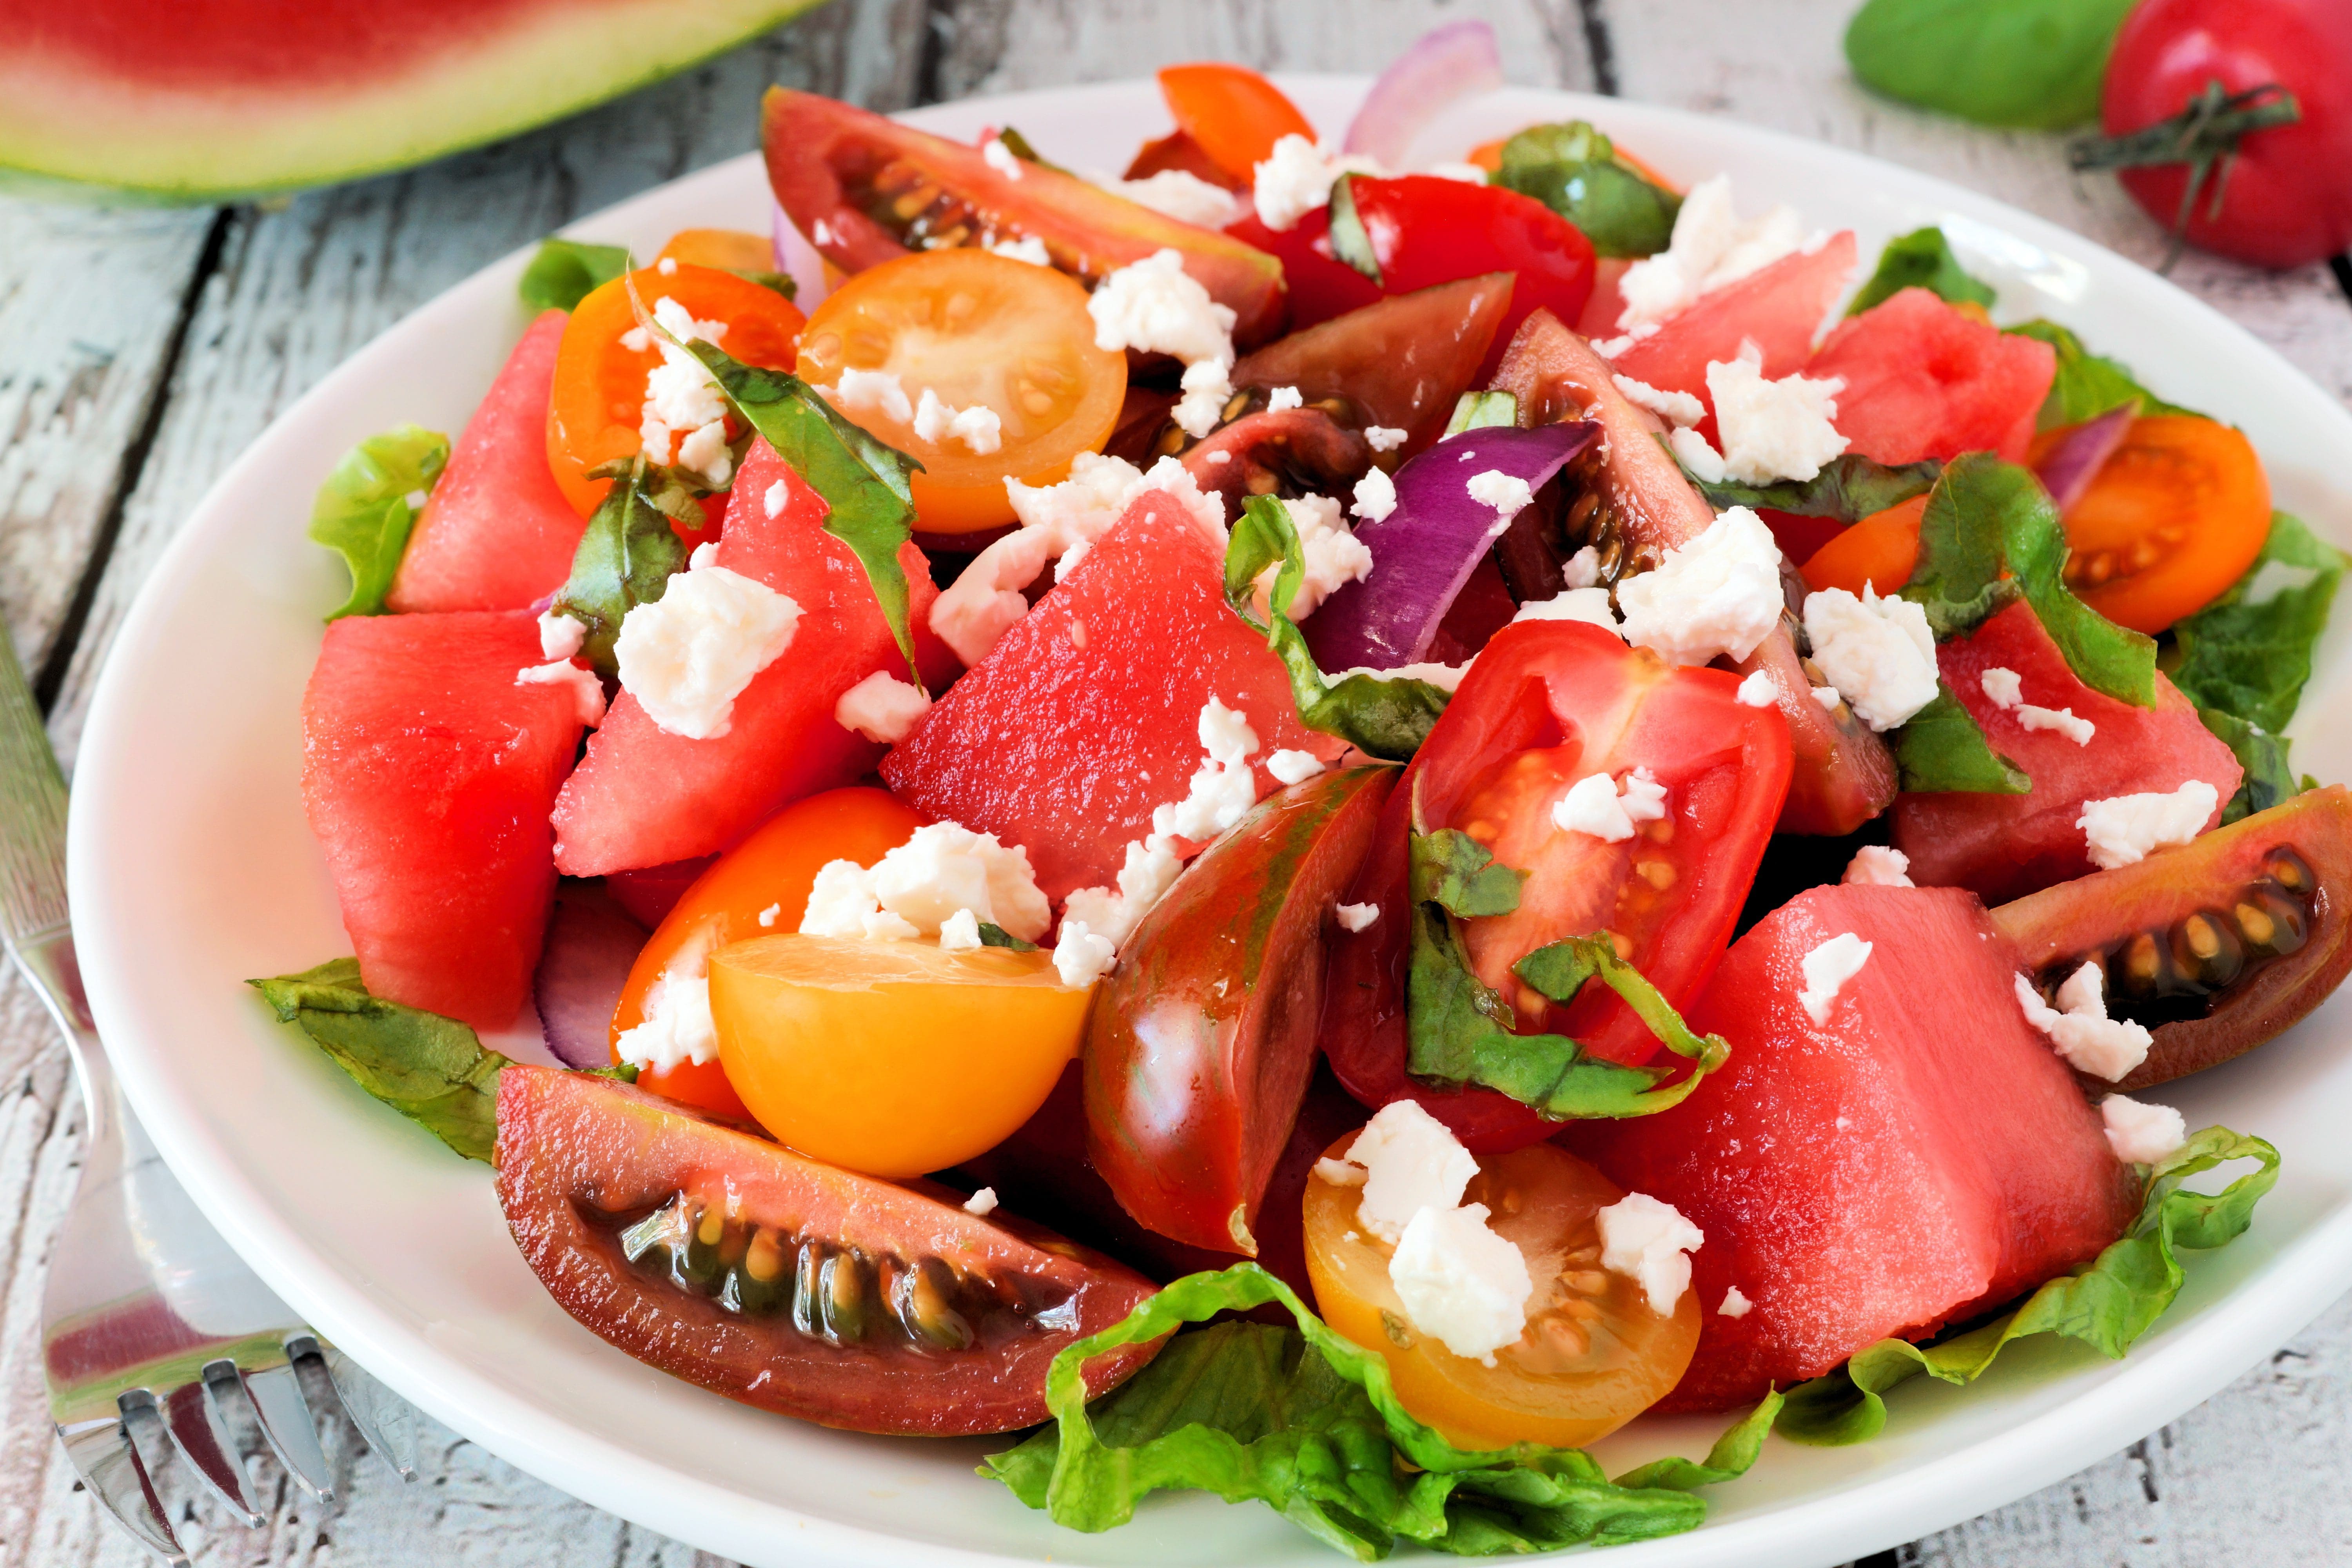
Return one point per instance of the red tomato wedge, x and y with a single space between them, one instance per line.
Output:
1924 379
1548 703
1780 307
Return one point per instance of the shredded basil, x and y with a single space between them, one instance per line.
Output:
1578 172
1921 259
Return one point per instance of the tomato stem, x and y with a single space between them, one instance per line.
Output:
2205 136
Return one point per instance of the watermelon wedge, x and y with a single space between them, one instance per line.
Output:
496 533
1779 308
1925 379
1087 715
645 797
429 774
218 98
1921 1157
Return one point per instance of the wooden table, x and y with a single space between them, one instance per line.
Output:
141 350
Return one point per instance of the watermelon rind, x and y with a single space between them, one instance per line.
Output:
72 129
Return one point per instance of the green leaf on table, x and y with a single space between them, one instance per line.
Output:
1921 259
1575 169
368 505
2106 1303
2249 652
1985 518
626 558
1382 716
2087 385
2035 63
565 271
1849 487
1308 1422
1942 747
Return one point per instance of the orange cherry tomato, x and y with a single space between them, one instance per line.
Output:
598 403
1235 114
1487 155
2176 515
892 1057
1593 1356
729 250
1882 550
979 330
773 869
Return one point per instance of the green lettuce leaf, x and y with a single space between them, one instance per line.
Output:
365 510
1943 748
2087 385
1458 1029
2036 63
1307 1422
626 558
2107 1303
2248 653
1986 516
1574 170
1386 718
2269 780
1849 487
1921 259
565 271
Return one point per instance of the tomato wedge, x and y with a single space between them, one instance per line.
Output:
729 250
1232 112
1880 551
598 403
2175 516
1550 703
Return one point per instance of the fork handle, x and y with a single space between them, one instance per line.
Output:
48 964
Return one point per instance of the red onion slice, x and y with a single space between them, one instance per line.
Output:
591 944
1424 551
797 259
2069 467
1443 67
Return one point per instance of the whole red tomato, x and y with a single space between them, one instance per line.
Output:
2287 195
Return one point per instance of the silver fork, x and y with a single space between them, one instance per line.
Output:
156 1339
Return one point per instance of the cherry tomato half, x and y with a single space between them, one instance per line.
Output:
2175 516
1548 704
598 404
1881 551
1594 1355
979 330
1233 113
772 870
729 250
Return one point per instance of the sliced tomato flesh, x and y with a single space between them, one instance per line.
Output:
2175 516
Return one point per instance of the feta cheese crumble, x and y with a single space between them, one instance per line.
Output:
2142 1134
769 916
674 1025
2079 1028
560 635
1594 805
686 656
1357 916
1877 865
1186 197
1080 956
1590 605
1411 1161
1877 652
1758 690
1156 307
960 932
2062 720
587 691
1508 494
1331 554
1028 249
978 428
1296 179
1582 570
1283 398
982 1201
1827 969
1827 696
1735 1305
1677 408
1383 437
1461 1283
2005 687
1717 596
683 401
1001 158
871 391
1697 454
1375 495
912 892
1649 1242
1710 247
2124 830
1772 430
1290 767
882 707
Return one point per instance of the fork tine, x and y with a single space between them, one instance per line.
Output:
102 1454
287 1422
204 1442
384 1421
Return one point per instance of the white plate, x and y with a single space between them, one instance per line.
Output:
191 868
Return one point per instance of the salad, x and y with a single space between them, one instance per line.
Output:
1313 828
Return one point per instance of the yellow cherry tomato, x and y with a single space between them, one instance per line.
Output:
1593 1356
729 250
979 330
891 1058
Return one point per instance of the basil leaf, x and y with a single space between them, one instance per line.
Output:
2107 1303
626 558
1478 410
1018 145
1387 719
2269 780
997 936
1921 259
1986 516
1350 242
565 271
2036 63
862 479
1454 870
1574 170
365 512
1307 1422
2087 385
1943 748
2249 652
1849 487
431 1069
776 282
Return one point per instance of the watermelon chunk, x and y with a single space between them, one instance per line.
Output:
497 533
1925 379
1087 715
644 797
1780 307
2004 846
1923 1157
429 774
